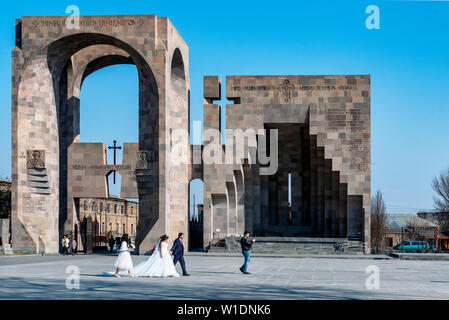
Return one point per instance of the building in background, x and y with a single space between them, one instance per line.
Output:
101 218
402 227
5 211
440 218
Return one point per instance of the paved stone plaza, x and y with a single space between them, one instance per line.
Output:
38 277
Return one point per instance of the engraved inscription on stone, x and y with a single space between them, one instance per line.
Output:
336 118
35 159
34 205
89 22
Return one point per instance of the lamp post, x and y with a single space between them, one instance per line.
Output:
437 233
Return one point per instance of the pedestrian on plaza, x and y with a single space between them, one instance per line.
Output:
111 244
65 245
118 243
177 251
124 262
246 251
73 245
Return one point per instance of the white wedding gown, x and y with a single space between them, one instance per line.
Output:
157 266
123 262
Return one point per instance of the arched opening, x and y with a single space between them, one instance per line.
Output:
196 209
109 112
177 65
70 60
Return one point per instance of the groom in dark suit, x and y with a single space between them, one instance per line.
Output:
178 253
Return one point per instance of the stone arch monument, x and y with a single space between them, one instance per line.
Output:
49 65
319 194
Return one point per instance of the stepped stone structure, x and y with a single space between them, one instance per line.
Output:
320 126
323 125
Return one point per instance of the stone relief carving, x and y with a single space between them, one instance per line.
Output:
286 89
144 159
35 159
37 177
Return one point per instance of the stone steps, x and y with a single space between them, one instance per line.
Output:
291 245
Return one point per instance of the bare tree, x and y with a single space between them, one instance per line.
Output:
440 185
378 222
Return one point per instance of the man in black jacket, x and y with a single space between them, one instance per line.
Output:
246 250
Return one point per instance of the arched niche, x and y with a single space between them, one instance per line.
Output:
70 60
177 65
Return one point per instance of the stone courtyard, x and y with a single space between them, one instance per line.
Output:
44 277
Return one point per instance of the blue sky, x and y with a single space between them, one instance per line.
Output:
407 59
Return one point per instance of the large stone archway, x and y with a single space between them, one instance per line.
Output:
50 63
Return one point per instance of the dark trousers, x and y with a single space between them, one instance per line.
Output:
180 258
65 251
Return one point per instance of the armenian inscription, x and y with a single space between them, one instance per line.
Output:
31 205
88 22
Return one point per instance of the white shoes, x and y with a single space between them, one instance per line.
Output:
116 275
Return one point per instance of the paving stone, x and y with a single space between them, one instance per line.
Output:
44 277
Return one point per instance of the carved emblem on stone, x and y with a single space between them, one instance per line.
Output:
286 89
35 159
143 159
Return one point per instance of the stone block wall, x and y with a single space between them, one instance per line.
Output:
331 116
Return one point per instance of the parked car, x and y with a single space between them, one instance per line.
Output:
413 246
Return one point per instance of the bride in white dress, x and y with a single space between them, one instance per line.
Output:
159 264
123 264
